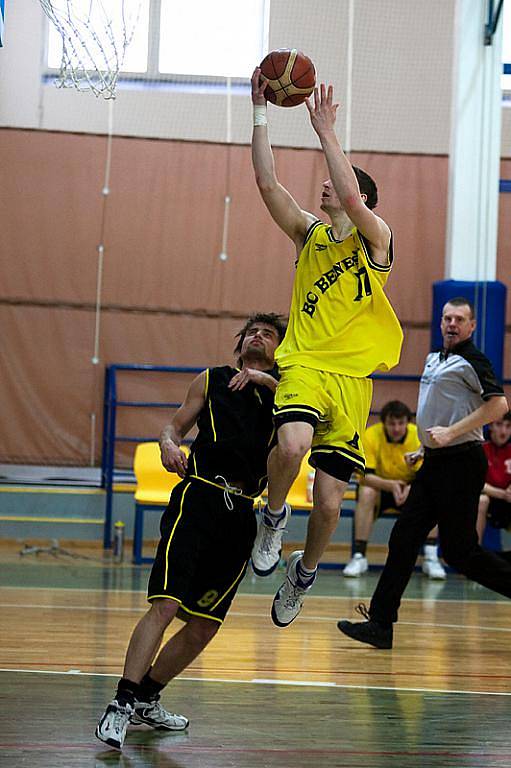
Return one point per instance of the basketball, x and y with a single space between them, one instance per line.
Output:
291 77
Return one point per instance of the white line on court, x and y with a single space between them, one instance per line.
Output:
241 614
263 681
310 598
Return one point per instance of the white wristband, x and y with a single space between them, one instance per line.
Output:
260 114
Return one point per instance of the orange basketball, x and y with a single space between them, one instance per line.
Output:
291 77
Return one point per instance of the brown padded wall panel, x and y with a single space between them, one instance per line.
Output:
164 220
50 211
50 387
163 234
47 383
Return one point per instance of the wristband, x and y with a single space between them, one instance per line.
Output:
259 111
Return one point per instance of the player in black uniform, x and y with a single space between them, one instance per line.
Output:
208 528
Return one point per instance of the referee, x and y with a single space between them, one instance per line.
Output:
458 394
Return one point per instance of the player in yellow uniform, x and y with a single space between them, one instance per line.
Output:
341 329
387 483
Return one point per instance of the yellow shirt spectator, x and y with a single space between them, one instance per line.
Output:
385 458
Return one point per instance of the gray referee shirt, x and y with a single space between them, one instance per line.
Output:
453 385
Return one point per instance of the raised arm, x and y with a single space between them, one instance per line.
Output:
283 208
323 114
171 437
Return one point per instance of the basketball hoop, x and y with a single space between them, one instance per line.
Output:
95 35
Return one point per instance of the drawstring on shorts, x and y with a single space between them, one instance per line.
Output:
229 489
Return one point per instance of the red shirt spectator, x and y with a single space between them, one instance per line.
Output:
495 500
499 464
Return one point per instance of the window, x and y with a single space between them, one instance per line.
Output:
203 38
188 40
506 46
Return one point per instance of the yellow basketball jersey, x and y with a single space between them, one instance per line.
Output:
387 459
340 319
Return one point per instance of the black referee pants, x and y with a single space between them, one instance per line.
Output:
445 491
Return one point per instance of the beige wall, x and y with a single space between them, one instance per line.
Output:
402 72
167 297
402 69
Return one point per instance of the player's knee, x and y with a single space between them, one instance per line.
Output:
328 510
201 631
292 450
366 492
367 496
164 610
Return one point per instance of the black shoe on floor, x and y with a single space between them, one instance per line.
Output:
369 631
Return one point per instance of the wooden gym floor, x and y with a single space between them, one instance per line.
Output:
258 697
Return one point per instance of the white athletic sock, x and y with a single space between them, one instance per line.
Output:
431 552
305 576
275 513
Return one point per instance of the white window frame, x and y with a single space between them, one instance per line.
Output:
152 76
506 50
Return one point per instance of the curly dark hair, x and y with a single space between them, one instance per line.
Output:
279 322
367 187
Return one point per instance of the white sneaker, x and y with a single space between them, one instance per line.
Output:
152 713
288 601
268 542
356 566
433 568
113 725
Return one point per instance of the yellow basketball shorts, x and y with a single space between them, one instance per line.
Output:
337 407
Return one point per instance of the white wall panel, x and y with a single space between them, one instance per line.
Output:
401 81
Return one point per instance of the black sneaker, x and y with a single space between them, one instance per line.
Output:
369 631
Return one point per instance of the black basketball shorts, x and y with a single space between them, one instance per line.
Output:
387 504
499 513
204 550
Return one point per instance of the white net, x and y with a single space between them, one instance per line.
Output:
94 36
181 70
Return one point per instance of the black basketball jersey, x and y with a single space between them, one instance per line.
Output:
235 432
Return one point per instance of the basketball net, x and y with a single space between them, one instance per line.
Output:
95 35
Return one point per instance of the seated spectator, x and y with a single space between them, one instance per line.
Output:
386 484
495 500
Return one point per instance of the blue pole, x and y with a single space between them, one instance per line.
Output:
107 533
106 423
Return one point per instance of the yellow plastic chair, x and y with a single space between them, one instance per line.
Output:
154 485
297 496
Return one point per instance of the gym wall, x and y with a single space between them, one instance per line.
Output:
167 298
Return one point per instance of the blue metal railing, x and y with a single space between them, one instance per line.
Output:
111 438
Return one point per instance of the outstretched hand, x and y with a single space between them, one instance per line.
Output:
323 111
247 375
258 88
